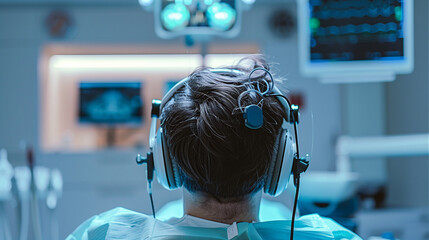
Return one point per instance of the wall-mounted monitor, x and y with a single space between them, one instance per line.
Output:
355 40
110 103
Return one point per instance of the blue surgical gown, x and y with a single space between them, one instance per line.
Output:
120 223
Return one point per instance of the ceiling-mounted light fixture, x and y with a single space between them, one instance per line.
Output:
197 17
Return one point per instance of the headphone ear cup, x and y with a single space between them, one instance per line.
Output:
171 168
166 173
158 160
269 177
281 164
287 158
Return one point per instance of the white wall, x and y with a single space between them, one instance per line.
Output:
407 112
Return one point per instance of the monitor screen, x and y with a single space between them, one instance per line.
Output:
355 36
356 30
110 103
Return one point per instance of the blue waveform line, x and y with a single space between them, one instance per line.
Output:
354 39
353 3
356 29
357 13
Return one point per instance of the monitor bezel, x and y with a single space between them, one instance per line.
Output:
356 67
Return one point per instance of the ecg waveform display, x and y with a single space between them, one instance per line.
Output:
347 30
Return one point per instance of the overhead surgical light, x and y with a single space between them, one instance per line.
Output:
221 16
175 18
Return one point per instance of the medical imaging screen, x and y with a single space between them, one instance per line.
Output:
348 30
110 103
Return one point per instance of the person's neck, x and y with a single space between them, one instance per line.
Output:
202 206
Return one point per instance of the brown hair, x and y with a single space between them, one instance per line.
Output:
205 131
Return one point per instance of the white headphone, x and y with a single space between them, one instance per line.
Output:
167 171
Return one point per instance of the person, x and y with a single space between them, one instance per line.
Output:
222 164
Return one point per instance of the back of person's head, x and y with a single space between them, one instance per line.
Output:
206 133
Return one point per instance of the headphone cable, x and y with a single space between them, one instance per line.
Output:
296 173
296 138
294 207
149 186
296 178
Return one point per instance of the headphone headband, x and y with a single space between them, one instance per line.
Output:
181 83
